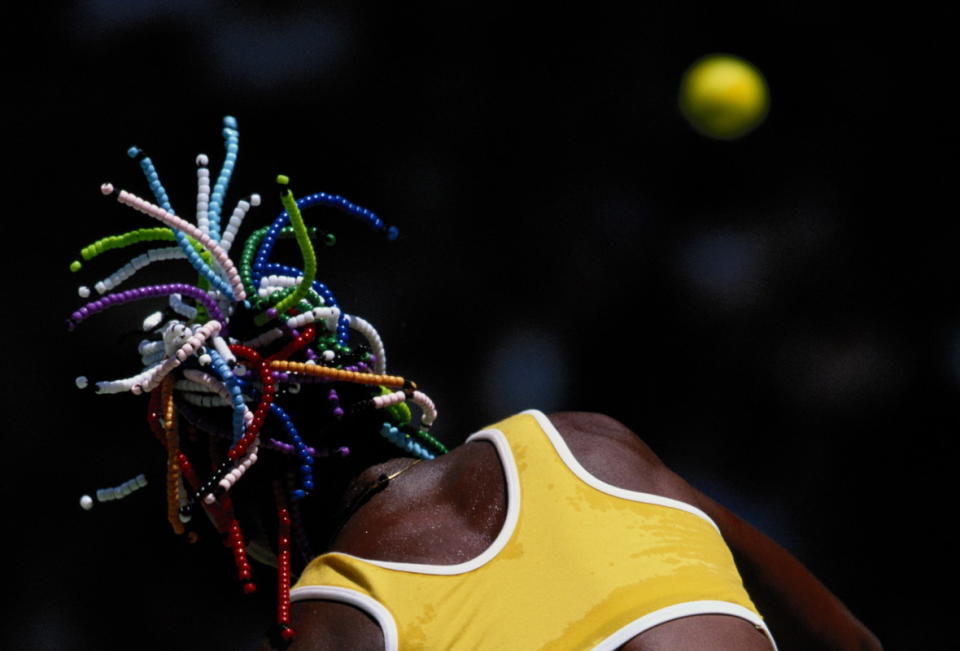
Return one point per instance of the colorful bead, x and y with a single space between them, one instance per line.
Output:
337 374
231 140
373 339
127 296
114 493
284 572
152 210
172 444
182 239
188 352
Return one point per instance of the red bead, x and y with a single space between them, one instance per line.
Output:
249 587
287 633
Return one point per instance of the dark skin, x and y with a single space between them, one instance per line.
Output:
451 509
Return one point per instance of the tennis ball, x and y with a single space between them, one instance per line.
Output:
723 96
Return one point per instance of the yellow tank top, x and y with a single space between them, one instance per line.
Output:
579 564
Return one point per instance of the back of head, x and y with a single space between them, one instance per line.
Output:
265 394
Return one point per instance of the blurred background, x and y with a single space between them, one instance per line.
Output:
776 315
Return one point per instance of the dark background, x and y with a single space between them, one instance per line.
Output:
776 316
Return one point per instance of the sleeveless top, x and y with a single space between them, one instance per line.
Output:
579 564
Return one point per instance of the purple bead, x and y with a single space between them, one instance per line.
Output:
338 412
286 447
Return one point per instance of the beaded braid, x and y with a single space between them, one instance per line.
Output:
242 338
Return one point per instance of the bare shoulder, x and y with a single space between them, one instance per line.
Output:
614 453
591 423
598 434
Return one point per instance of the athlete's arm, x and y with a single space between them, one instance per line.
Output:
800 611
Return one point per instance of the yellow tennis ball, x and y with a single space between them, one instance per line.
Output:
724 96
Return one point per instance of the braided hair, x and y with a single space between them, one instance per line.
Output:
231 362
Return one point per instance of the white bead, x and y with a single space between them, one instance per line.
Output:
202 160
81 382
83 291
254 199
205 359
152 321
86 502
328 355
